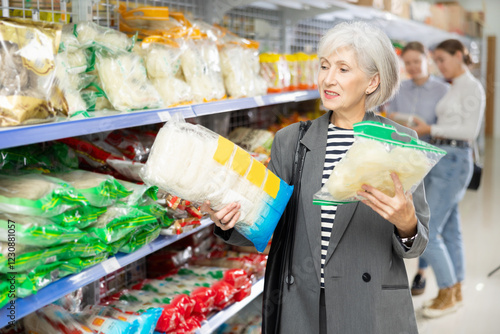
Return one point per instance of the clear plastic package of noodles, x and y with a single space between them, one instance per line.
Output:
378 151
27 71
222 172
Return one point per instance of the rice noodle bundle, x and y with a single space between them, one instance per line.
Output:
201 67
196 164
125 81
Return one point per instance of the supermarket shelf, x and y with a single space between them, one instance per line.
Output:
221 317
68 284
24 135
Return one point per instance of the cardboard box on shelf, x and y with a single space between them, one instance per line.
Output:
456 17
439 17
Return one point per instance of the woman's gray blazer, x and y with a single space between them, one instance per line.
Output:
366 285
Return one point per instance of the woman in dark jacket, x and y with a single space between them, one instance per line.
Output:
348 269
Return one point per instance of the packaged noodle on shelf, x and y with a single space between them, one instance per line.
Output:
162 57
89 34
201 67
378 150
38 195
196 164
100 190
27 91
125 81
275 71
149 21
293 68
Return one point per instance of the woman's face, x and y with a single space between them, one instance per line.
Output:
449 65
341 82
415 64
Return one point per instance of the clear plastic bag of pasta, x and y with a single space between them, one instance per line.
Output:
378 150
125 81
162 58
90 33
27 91
38 195
197 164
100 190
201 67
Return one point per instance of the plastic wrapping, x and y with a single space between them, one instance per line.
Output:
89 33
27 91
141 193
143 236
54 319
293 69
275 72
205 166
125 81
80 217
201 67
118 222
100 190
103 324
147 21
34 194
69 82
142 322
51 156
377 151
37 231
175 307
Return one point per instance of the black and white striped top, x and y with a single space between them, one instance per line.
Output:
339 141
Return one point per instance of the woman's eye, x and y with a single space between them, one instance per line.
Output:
323 67
343 70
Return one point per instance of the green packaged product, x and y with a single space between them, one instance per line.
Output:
23 287
77 265
99 189
37 195
142 237
35 231
118 222
80 217
27 259
158 211
52 156
85 248
141 194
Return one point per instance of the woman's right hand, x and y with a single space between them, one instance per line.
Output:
225 218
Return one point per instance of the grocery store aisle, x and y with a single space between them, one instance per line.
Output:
481 228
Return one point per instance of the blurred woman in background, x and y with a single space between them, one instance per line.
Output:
459 115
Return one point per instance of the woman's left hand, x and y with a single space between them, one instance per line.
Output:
421 127
399 210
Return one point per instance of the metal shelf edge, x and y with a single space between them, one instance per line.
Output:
30 134
62 287
220 317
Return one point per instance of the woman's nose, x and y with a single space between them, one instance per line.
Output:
331 78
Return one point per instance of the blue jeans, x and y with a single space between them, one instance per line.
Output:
445 187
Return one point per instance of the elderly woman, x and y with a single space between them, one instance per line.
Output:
348 270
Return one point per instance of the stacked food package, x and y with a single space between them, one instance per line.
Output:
288 72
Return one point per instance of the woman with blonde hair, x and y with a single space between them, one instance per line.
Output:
347 273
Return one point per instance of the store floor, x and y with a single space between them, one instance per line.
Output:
480 212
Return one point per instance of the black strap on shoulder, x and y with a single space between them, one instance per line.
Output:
300 156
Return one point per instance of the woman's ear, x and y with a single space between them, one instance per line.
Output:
373 84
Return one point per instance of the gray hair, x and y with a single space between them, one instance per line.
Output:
374 53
